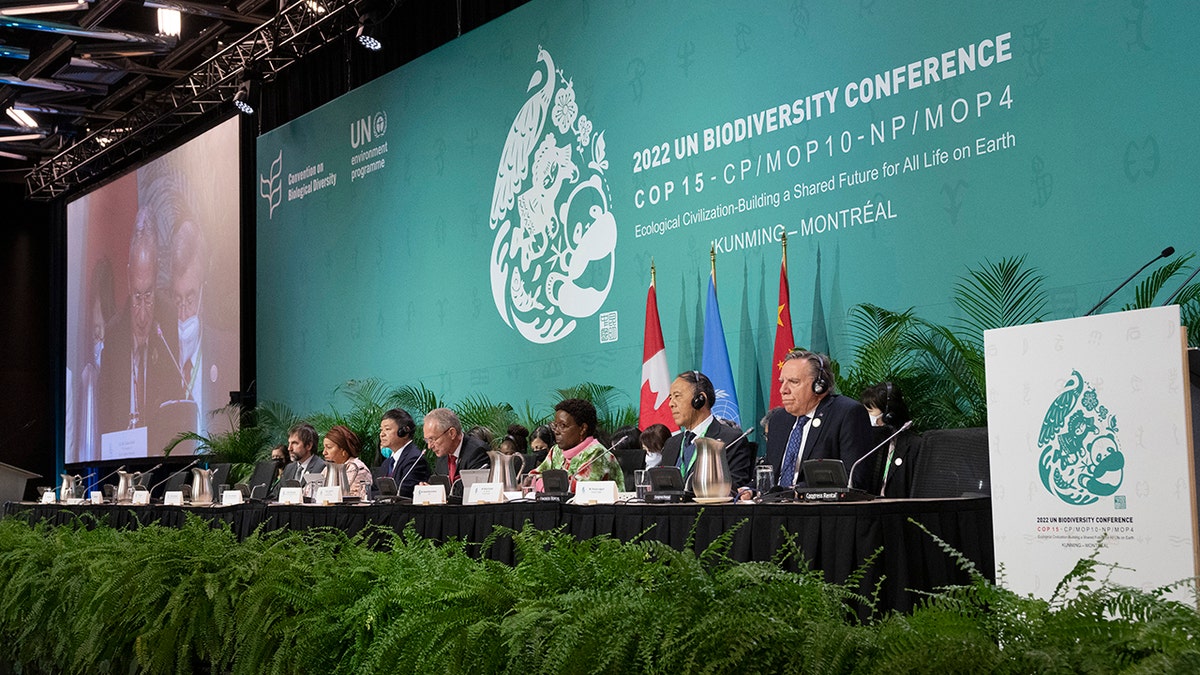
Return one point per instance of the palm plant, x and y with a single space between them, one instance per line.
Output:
1187 297
241 446
479 410
940 368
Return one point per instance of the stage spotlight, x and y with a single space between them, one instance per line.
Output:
365 36
241 100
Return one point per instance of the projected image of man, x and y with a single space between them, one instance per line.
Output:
204 377
137 370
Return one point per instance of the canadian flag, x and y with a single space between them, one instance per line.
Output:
656 377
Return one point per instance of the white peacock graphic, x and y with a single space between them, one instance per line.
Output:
553 260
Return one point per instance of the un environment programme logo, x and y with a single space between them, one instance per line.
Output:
1081 460
270 187
553 260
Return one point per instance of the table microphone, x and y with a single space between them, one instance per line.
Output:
850 476
169 477
588 463
1166 252
101 480
1171 298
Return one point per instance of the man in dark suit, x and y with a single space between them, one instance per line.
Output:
455 451
302 446
691 399
815 423
137 373
405 462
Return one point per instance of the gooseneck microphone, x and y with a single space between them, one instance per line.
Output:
1166 252
100 481
170 476
1186 281
850 476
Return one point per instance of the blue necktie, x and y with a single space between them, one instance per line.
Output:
791 455
687 451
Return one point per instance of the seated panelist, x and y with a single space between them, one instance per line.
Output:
691 399
576 449
815 422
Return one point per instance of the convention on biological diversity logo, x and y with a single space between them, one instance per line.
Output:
1081 459
552 261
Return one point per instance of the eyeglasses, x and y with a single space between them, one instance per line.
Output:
143 299
430 440
559 426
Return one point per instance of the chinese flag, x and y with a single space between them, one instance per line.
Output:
783 332
656 378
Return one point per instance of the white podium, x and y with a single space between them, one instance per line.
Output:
1090 436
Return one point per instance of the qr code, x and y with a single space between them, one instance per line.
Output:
1119 501
608 327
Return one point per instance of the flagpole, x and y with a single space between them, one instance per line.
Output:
651 270
785 252
712 257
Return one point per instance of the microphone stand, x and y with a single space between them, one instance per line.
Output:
850 476
1170 250
169 477
100 481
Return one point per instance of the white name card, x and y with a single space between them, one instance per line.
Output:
596 492
141 497
97 497
485 493
231 498
173 498
329 494
48 497
429 494
291 495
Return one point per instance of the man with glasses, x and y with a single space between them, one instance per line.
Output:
455 451
136 373
204 377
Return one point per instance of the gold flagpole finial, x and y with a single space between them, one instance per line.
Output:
651 270
785 250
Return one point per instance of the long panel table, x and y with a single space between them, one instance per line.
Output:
833 538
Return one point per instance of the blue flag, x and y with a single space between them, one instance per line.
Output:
715 363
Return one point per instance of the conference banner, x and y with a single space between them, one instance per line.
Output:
1090 444
483 219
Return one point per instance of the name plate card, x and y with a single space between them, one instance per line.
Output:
291 495
596 492
141 497
485 493
329 494
97 497
429 494
48 497
173 498
231 498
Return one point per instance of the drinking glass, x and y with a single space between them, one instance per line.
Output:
641 480
764 478
528 485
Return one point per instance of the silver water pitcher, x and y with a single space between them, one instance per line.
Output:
202 486
710 470
335 475
506 469
72 487
125 482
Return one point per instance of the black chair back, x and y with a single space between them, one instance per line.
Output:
953 463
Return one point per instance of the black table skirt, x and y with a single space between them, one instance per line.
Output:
833 538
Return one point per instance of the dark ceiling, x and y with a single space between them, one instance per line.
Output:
76 71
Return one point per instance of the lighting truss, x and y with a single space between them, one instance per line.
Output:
295 31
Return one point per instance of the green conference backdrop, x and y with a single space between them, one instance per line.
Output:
483 220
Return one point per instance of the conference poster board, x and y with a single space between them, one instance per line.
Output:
483 219
1090 437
